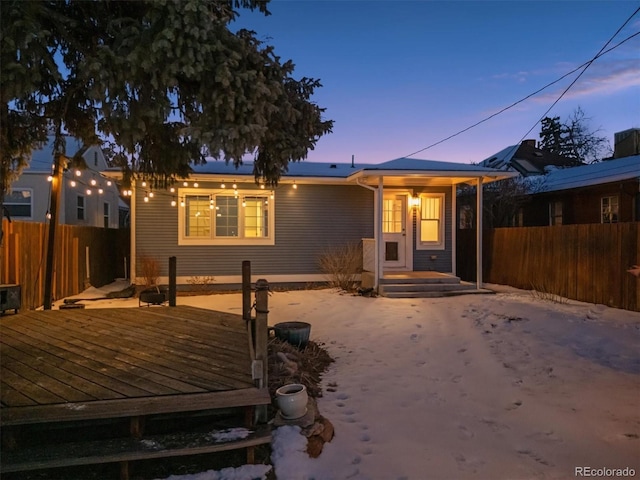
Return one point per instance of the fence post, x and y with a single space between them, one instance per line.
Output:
260 338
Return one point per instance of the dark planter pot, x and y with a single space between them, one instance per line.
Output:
153 297
295 333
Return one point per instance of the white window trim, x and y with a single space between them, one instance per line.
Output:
440 244
610 197
228 241
31 205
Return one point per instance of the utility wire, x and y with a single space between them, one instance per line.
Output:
585 65
576 79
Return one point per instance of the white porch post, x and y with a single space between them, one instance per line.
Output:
454 229
479 234
379 240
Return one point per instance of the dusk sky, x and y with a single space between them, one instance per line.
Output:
401 75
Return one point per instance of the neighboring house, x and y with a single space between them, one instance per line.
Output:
604 192
527 159
400 210
86 198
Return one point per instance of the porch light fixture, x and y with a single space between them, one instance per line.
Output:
415 202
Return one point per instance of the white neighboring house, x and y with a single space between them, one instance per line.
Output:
86 197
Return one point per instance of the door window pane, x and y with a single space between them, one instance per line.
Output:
392 216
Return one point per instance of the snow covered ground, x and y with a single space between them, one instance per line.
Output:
503 386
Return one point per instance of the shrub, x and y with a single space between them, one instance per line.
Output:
342 265
150 270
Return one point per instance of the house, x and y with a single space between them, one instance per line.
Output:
604 192
527 159
87 197
400 211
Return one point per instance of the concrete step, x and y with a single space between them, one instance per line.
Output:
441 294
409 280
422 287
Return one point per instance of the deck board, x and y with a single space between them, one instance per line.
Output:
68 363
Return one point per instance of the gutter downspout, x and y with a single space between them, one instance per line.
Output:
376 227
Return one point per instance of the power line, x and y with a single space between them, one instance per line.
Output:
585 65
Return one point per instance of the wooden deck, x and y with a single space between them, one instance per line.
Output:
92 364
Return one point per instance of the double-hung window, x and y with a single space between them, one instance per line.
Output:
431 222
609 209
19 202
226 218
80 207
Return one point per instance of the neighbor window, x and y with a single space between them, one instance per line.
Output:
80 207
555 213
19 202
226 219
431 222
105 214
609 209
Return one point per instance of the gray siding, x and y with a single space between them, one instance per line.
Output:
308 221
422 258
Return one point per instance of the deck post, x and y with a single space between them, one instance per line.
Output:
260 338
172 281
246 290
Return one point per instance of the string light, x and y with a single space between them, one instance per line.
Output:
222 185
172 190
50 178
181 202
93 182
72 183
151 194
295 185
100 191
195 184
144 184
173 202
88 191
185 184
78 173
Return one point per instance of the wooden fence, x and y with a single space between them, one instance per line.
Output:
581 262
23 259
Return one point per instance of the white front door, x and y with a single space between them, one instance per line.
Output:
394 230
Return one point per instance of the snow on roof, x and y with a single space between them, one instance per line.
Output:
500 159
415 164
340 170
594 174
296 169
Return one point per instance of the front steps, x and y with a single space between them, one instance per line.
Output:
424 285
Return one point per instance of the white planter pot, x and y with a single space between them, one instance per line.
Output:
292 400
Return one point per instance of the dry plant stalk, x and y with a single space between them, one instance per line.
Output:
540 292
342 265
150 270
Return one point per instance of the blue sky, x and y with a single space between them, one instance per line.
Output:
400 75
